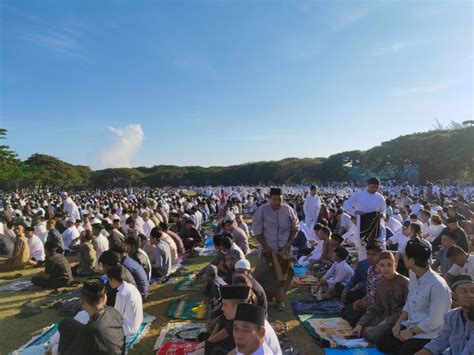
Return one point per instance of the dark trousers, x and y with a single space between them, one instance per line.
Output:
49 283
387 343
68 331
348 312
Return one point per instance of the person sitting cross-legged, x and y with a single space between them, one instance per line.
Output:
103 333
57 271
390 297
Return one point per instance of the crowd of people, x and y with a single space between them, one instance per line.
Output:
398 256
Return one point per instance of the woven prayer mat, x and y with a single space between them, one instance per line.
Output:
325 309
304 281
179 332
189 284
188 309
177 348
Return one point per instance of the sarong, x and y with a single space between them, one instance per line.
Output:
369 227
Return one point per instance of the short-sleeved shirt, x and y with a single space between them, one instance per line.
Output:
466 269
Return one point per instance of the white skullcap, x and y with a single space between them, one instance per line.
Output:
242 264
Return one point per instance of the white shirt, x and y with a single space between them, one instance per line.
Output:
262 350
69 235
400 239
41 231
394 225
271 340
129 303
147 227
102 245
70 207
36 248
339 272
311 208
466 269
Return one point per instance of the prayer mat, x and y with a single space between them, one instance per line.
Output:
177 348
188 283
40 343
179 331
332 332
304 281
188 309
300 270
326 308
16 286
366 351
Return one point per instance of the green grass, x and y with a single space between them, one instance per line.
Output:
17 331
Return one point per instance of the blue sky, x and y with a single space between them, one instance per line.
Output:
226 82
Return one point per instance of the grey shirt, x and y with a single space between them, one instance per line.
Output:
275 226
162 262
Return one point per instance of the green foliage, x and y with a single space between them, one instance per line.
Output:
441 154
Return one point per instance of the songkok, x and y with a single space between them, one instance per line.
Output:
313 187
235 292
374 181
406 224
242 264
275 191
250 313
461 279
416 249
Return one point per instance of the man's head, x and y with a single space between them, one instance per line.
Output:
96 229
340 254
463 291
155 235
324 233
425 216
132 245
373 249
231 297
49 248
435 220
453 223
448 239
276 198
231 258
229 225
145 216
116 223
312 190
417 254
115 275
242 267
387 264
415 228
210 272
373 185
108 259
93 295
406 228
70 221
29 231
249 328
19 229
457 255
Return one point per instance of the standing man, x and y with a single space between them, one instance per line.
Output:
369 207
311 207
275 226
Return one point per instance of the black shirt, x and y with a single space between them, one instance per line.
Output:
58 268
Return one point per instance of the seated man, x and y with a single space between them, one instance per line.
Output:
358 301
322 252
442 262
227 267
103 334
36 246
190 235
429 299
161 266
337 276
221 339
57 271
128 300
227 244
463 263
457 334
213 285
249 330
137 271
87 256
242 267
390 297
138 254
238 235
21 251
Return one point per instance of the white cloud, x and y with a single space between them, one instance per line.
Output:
121 151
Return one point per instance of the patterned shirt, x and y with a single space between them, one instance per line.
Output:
373 276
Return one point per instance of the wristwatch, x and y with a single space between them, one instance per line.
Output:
412 331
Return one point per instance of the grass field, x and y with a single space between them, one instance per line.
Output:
17 331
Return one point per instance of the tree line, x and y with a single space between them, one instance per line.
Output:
440 154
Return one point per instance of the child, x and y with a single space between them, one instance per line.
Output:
390 297
337 276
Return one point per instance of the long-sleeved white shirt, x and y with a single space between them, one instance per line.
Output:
129 303
339 272
311 207
36 248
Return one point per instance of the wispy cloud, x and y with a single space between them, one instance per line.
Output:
57 42
420 90
394 47
347 16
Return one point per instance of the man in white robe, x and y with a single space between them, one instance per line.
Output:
311 207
